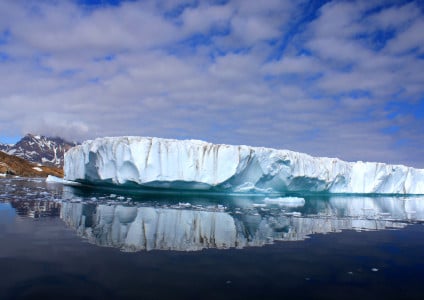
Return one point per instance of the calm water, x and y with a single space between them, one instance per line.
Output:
58 242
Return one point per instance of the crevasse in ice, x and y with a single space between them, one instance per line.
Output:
198 165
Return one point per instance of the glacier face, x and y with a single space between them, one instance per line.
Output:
201 166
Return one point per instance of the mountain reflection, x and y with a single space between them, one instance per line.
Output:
36 208
190 228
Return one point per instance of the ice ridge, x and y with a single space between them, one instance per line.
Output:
148 162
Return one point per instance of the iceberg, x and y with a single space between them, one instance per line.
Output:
157 163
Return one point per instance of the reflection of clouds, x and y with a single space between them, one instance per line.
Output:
134 228
6 214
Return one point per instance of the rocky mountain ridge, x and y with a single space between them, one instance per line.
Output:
38 149
13 165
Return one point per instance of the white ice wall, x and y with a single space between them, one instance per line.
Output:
193 164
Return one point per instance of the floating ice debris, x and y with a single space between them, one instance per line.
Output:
294 214
374 269
285 201
54 179
120 198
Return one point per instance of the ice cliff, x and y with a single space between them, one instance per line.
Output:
197 165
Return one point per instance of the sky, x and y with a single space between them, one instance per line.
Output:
330 78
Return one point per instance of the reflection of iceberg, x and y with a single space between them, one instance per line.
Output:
139 228
399 208
134 228
197 165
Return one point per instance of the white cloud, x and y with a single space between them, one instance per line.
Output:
135 69
293 64
206 17
396 17
411 38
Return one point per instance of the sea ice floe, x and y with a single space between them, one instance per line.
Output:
285 201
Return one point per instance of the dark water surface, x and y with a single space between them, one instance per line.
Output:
59 242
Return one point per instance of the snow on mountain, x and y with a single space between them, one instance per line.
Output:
13 165
197 165
4 147
39 149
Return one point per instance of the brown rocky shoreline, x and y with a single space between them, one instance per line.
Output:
13 165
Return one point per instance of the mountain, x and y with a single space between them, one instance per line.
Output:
13 165
5 147
43 150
